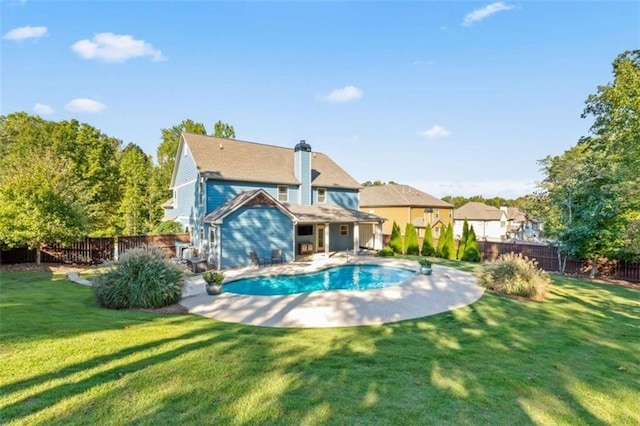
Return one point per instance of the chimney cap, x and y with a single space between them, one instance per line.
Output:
302 146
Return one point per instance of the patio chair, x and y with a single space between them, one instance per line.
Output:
255 260
276 256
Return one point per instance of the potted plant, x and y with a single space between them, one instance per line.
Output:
425 266
213 280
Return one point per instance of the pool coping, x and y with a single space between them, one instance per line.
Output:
419 296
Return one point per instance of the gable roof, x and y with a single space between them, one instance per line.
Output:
477 211
259 196
515 214
230 159
327 213
397 196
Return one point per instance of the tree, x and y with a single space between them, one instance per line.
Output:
396 238
411 245
135 207
448 248
471 250
441 240
378 183
223 130
593 189
41 200
463 239
427 242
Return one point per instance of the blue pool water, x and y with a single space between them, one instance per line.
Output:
352 277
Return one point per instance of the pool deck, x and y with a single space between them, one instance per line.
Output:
419 296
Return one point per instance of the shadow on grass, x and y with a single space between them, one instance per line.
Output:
498 361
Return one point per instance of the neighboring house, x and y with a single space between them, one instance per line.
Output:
488 222
521 226
405 204
235 197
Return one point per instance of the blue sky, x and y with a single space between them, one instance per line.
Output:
457 98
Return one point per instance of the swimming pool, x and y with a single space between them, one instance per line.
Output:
351 277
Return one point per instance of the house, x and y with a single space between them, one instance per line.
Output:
521 226
405 204
235 197
488 222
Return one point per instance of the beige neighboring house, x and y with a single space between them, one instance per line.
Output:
488 222
521 226
405 204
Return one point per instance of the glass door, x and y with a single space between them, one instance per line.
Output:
320 238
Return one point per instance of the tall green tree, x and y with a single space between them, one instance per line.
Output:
449 248
41 200
411 245
471 249
396 238
441 240
223 130
135 208
427 242
463 240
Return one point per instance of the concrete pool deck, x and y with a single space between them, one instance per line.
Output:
419 296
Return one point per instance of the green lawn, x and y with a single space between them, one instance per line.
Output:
572 360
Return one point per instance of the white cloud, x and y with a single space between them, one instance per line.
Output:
109 47
346 94
85 105
479 14
42 109
435 132
24 33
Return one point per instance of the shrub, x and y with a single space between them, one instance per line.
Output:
516 275
396 239
142 278
427 242
386 251
471 250
449 246
463 240
168 227
441 239
213 277
411 244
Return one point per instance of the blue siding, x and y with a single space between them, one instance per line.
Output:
339 242
347 198
257 228
187 170
220 191
185 189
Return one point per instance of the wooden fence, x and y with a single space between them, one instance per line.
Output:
547 258
92 250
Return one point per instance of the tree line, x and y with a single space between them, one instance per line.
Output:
62 181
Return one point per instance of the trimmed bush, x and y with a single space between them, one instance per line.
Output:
441 240
427 242
411 244
396 239
463 240
516 275
449 246
142 278
386 251
471 250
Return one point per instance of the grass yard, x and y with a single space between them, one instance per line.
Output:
572 360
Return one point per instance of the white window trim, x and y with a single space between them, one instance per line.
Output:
287 193
346 234
324 194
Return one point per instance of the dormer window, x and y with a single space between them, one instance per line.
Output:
322 195
283 193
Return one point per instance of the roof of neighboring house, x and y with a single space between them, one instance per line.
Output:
477 211
515 214
327 213
231 159
394 195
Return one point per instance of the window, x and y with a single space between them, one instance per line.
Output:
450 213
437 232
201 190
322 195
305 230
212 238
283 193
344 230
503 224
437 213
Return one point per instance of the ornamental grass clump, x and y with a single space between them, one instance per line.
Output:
516 275
142 278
